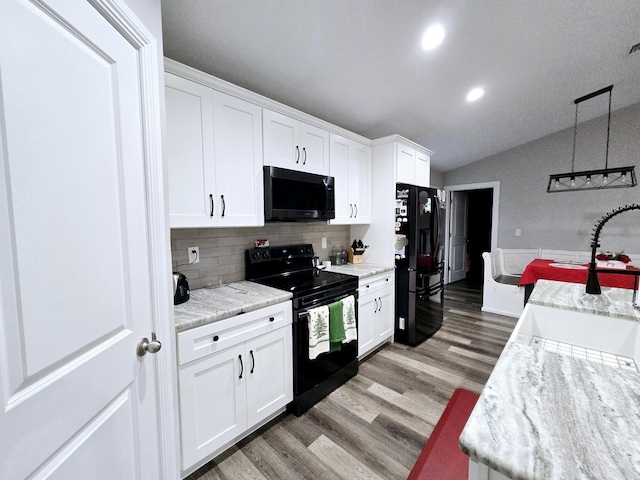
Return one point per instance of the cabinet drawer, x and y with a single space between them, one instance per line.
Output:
373 284
215 337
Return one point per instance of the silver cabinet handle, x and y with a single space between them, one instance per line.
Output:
304 150
351 210
380 303
356 207
376 302
144 345
297 154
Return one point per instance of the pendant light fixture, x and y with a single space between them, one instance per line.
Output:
592 179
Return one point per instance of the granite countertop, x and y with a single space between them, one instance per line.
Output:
612 302
208 305
548 416
361 270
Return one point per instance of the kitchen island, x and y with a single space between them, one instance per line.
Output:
545 415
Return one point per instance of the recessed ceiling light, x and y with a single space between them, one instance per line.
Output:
474 94
433 37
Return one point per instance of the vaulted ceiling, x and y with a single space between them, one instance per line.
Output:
359 63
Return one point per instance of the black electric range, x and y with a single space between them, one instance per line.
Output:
291 268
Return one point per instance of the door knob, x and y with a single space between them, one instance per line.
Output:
144 345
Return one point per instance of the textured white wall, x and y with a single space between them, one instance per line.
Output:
563 221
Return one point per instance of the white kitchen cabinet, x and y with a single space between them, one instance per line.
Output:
295 145
412 165
214 151
233 376
423 168
350 164
376 308
270 380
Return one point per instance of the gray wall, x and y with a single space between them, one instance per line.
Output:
222 250
563 221
436 179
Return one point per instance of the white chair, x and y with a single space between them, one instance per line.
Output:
501 293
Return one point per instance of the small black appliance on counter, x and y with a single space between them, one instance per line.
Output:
180 288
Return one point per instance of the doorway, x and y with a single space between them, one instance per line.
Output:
479 221
472 223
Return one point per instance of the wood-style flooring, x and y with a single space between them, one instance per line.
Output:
375 425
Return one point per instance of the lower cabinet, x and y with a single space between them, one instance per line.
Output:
232 375
376 306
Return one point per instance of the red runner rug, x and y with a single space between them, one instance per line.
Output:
441 458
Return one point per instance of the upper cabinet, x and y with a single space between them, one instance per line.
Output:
292 144
214 151
412 165
350 164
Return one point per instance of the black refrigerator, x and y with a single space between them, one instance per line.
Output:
419 252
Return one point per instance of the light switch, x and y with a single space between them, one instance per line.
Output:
518 232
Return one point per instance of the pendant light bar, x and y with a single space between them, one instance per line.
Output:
592 179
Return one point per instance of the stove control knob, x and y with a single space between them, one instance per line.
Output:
256 255
309 249
265 254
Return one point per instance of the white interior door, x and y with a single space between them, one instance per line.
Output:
75 297
458 237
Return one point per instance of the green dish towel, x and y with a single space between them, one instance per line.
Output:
336 326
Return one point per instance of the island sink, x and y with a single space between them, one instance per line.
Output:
606 340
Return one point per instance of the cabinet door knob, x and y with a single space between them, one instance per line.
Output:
271 319
216 338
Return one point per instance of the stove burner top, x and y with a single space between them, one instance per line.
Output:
291 268
305 281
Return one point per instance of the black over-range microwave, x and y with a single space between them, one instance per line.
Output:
290 196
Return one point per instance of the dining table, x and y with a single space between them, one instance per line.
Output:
574 272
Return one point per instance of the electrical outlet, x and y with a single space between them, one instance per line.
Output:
194 254
518 232
324 242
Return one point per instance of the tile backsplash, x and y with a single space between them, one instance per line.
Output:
222 250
